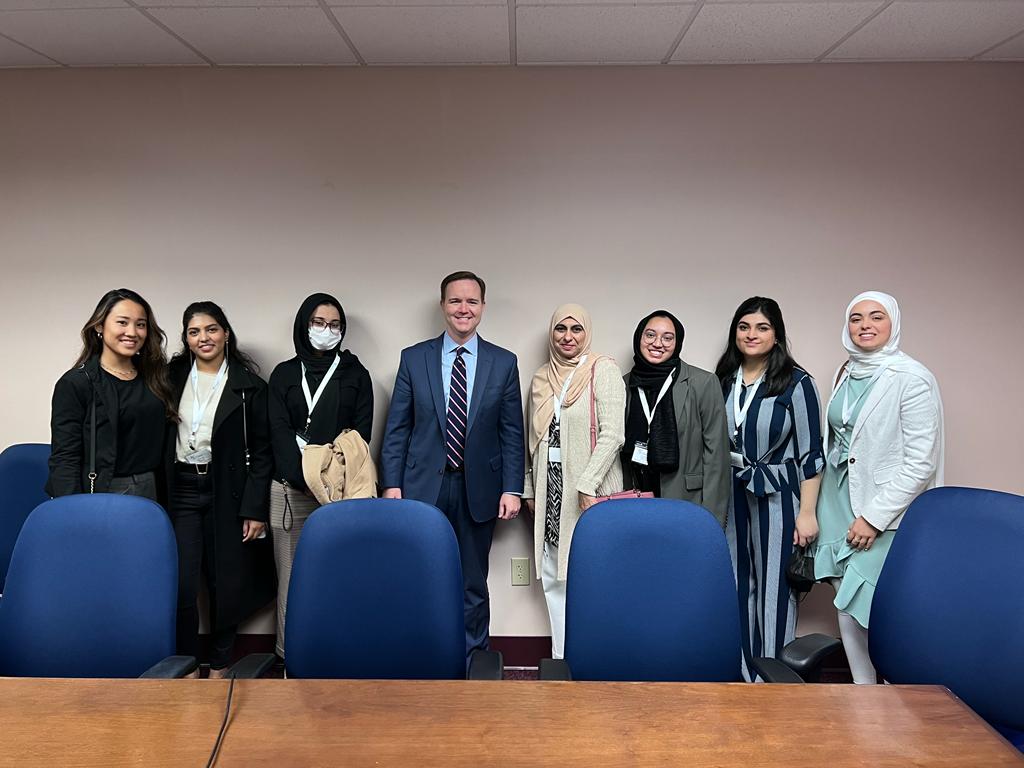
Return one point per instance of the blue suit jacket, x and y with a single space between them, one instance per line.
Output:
413 453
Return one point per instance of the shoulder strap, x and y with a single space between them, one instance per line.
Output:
245 431
92 443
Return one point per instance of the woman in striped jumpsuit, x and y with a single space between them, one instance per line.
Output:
773 413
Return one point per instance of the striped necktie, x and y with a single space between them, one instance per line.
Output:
457 410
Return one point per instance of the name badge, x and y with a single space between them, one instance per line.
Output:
640 454
833 456
554 455
737 460
203 456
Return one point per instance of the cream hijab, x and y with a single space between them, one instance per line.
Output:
863 364
549 379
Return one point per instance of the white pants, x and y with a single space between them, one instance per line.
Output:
554 596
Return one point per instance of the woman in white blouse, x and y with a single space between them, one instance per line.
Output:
885 448
574 432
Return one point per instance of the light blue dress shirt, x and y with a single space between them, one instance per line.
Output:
448 347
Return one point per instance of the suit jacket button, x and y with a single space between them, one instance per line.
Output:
234 495
440 471
853 460
231 467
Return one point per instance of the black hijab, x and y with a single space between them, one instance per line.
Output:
663 442
314 360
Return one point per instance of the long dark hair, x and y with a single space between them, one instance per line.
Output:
779 372
150 360
234 351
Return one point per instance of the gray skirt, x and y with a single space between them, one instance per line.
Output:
289 510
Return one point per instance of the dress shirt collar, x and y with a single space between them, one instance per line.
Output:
449 345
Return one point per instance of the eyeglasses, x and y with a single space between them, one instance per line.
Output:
320 325
650 337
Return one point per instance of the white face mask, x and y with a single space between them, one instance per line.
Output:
324 339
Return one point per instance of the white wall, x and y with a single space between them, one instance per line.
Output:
625 189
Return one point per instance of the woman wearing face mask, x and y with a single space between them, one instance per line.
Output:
772 408
313 397
219 465
885 447
676 442
110 410
568 464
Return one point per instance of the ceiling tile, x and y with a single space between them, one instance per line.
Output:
428 35
199 4
96 37
43 5
597 34
1010 50
934 29
259 35
769 31
14 55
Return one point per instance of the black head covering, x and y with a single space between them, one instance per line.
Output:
314 360
663 441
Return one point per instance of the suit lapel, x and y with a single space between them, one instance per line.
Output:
878 390
483 372
432 362
229 401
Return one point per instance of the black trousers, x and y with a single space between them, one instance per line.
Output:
474 551
192 513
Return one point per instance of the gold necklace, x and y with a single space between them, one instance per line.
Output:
123 375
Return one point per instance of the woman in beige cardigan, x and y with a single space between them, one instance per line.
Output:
565 474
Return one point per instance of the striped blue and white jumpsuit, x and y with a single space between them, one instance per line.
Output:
781 444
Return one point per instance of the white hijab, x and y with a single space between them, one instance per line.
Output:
863 364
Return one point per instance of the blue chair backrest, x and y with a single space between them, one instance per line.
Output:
376 592
651 595
949 605
23 473
91 591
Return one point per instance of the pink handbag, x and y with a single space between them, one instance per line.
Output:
632 493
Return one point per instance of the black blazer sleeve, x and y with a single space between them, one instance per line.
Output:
256 496
69 409
287 459
364 406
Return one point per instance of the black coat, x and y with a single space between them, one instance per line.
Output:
353 409
245 574
71 430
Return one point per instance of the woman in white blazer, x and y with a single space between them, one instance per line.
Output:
575 426
885 447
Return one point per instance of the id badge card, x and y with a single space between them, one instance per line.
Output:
555 455
640 454
737 460
203 456
833 456
301 439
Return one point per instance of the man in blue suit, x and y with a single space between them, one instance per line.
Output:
454 437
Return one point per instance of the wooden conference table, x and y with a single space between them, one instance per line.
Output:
411 724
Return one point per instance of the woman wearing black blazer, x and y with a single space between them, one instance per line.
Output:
110 410
219 466
313 397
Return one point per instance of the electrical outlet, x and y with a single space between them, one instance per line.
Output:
520 571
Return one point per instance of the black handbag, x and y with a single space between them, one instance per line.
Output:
800 570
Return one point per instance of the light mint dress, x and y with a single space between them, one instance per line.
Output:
835 558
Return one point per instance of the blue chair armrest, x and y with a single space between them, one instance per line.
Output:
253 666
806 654
774 671
171 668
554 669
486 665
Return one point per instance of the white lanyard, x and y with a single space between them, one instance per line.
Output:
740 414
565 390
648 410
847 405
198 411
311 401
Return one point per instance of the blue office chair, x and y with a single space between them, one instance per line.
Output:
92 591
23 473
949 605
651 597
376 592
